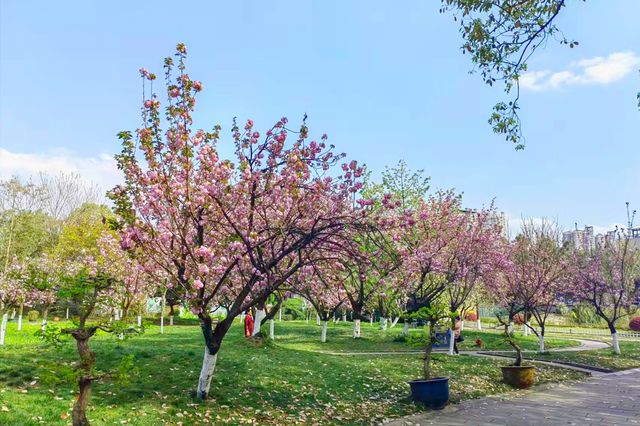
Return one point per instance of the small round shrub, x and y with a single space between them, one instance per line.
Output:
634 324
470 316
33 315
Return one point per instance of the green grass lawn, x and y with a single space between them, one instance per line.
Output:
274 384
605 358
301 336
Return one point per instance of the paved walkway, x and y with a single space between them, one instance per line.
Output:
611 399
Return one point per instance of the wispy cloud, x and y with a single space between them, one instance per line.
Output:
100 170
599 70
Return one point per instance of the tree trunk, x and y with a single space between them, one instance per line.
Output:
405 328
426 364
87 359
279 315
526 328
394 322
13 313
162 312
3 327
323 336
383 324
67 314
206 373
614 337
461 325
344 317
116 314
317 319
356 329
139 320
260 314
541 342
479 323
452 340
45 314
171 320
20 312
272 334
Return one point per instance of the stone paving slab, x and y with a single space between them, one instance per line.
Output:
611 399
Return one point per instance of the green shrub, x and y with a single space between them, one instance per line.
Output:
293 307
33 315
585 314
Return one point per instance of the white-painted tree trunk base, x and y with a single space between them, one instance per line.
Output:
371 320
241 318
139 320
616 344
479 324
13 314
510 328
116 315
161 324
383 324
3 327
43 326
540 343
526 328
260 314
462 325
356 329
452 340
20 312
208 367
323 336
344 317
170 319
405 329
394 322
317 319
279 315
67 314
272 334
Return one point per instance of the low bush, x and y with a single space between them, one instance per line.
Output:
634 324
33 315
470 316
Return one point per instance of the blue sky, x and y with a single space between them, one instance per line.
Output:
385 80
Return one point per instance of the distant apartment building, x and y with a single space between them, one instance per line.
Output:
581 239
584 239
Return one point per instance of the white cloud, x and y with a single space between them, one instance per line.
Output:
599 70
100 170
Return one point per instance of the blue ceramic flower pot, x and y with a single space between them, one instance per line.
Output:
434 393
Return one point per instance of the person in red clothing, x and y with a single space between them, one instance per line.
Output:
248 324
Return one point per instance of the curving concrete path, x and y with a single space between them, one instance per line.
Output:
612 399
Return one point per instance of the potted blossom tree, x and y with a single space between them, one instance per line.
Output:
517 375
431 391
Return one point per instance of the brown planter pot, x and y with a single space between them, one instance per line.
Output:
518 377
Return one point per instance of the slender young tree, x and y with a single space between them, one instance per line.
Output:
541 266
606 278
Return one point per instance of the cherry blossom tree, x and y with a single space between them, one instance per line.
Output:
12 292
539 271
606 278
474 252
320 285
367 262
215 225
